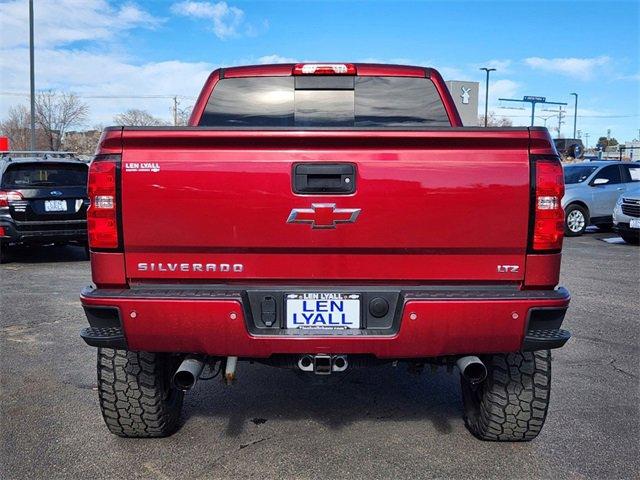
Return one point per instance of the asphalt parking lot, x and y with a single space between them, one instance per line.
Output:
375 423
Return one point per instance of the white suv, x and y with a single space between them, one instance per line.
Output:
626 216
591 191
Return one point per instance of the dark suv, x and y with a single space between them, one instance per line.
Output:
43 199
569 147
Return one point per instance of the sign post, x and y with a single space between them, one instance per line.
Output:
533 101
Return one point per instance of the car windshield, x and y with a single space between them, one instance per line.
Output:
33 175
578 173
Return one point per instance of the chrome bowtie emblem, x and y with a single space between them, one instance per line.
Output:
323 215
56 193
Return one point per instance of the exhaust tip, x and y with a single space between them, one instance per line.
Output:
188 373
472 369
475 373
184 380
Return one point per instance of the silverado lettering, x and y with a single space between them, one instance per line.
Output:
189 267
450 254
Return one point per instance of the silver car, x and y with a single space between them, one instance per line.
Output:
626 216
591 192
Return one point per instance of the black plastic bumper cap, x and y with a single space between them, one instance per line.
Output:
106 337
545 339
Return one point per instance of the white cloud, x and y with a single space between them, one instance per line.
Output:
274 58
449 73
62 22
503 88
117 78
633 77
94 69
580 68
501 65
227 20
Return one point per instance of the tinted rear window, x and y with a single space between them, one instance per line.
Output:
578 173
349 102
34 175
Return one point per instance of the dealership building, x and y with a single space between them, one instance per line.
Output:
465 96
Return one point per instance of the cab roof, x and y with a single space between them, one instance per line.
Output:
362 69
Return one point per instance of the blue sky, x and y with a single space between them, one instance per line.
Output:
165 48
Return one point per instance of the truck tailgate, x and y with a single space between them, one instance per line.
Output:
434 205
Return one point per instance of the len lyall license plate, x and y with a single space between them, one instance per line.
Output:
635 223
55 205
323 310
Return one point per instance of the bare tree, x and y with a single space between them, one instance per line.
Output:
82 142
495 121
17 126
138 118
56 112
182 115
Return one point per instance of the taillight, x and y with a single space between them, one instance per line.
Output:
102 215
548 215
6 197
324 69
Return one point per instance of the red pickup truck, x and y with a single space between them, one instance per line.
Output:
324 217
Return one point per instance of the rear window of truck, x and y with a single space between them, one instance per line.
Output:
327 101
34 175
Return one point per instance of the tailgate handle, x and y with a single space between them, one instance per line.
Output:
324 178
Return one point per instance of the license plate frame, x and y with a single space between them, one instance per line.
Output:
329 311
634 223
52 206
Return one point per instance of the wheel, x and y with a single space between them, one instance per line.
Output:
136 396
87 252
576 151
576 220
631 238
511 404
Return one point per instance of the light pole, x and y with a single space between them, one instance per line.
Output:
486 94
575 114
175 111
560 121
545 119
32 78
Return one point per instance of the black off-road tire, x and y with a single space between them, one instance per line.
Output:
136 396
511 404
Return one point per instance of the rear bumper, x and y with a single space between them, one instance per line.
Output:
44 232
431 322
